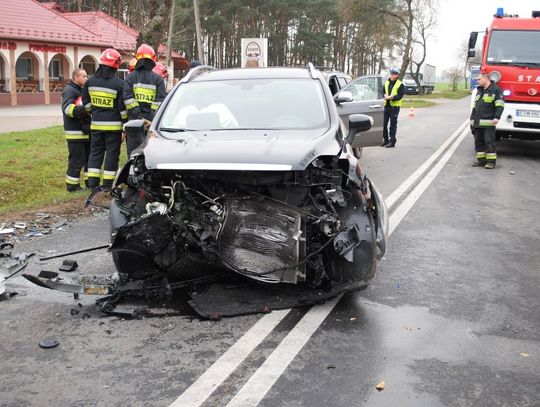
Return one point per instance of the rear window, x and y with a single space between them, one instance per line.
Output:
247 104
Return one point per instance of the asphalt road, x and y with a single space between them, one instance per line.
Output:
451 318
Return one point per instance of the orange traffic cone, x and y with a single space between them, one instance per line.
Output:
411 112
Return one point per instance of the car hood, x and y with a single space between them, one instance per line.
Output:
268 150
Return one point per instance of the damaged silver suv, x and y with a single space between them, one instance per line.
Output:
248 169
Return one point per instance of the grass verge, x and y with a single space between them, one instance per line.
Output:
32 169
416 102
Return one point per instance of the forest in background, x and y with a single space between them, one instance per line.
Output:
356 36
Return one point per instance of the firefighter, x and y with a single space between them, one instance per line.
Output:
76 129
487 110
393 97
144 91
103 97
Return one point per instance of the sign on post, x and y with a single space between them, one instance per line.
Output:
254 52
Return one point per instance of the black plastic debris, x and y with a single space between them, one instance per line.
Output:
68 265
73 311
48 343
47 274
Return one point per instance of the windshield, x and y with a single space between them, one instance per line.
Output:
513 48
247 104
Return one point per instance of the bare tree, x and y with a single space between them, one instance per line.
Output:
425 21
454 75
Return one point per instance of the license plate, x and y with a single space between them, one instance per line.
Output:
528 113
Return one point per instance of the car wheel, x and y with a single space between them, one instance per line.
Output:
357 151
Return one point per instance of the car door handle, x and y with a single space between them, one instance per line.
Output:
375 106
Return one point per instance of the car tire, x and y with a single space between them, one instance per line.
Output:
357 151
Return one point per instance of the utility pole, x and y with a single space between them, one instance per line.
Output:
198 31
170 72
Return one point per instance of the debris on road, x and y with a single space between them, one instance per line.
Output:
75 252
68 265
380 386
48 343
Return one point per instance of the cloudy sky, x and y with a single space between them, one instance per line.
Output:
457 18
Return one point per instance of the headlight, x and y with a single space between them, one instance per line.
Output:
495 76
507 92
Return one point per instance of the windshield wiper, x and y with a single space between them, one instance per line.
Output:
174 130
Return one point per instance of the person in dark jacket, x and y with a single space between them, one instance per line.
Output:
76 129
103 97
393 97
144 91
486 113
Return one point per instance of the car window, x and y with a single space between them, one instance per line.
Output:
342 81
333 85
252 104
365 88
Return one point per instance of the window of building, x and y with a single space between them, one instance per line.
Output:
23 68
89 67
55 69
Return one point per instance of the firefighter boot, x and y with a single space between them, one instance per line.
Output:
479 163
490 165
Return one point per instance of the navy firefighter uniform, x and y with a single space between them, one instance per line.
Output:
103 97
76 130
487 110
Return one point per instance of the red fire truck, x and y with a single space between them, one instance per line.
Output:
511 56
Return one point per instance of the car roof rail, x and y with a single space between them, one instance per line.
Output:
311 70
194 72
326 68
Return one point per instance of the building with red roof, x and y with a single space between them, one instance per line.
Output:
41 44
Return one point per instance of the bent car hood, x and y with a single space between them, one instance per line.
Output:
271 150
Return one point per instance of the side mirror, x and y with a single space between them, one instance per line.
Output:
472 40
342 97
471 53
357 124
135 131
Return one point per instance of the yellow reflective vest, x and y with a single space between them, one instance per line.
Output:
394 92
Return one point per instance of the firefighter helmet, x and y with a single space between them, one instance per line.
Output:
111 57
160 69
146 51
132 63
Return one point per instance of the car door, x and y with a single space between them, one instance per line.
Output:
367 98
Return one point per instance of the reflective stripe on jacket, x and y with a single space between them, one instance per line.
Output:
393 92
144 91
104 97
488 105
75 118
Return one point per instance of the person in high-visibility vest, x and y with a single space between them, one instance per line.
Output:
103 98
76 129
393 96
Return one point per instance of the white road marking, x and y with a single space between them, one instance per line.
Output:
203 387
264 378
